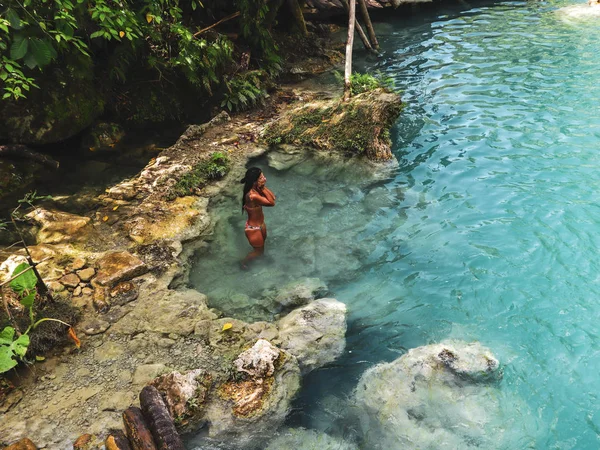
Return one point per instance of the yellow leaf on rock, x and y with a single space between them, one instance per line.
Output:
149 17
115 208
105 218
227 326
121 33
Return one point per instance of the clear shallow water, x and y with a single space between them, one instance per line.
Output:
487 231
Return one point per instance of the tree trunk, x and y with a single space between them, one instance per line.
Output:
349 44
160 421
297 12
117 440
22 152
274 7
361 33
368 24
137 431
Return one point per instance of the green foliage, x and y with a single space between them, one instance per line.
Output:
212 168
11 348
244 91
256 32
365 82
35 33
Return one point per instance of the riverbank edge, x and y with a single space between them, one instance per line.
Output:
140 221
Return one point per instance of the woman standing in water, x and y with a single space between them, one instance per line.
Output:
256 195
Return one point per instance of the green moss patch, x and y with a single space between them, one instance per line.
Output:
213 168
358 127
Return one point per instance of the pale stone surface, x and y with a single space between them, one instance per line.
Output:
71 280
86 274
169 312
315 333
281 160
147 372
57 226
436 396
298 293
78 263
258 361
118 266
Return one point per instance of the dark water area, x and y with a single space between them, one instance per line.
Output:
84 174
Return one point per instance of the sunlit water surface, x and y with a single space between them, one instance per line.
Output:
488 230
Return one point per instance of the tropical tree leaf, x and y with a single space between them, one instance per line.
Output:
18 49
40 51
14 19
19 347
24 282
7 335
28 300
6 359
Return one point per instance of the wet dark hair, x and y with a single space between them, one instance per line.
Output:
251 177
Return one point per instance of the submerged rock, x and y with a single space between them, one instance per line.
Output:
315 334
102 136
284 160
436 396
297 293
302 439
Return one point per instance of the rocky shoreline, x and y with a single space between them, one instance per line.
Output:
123 265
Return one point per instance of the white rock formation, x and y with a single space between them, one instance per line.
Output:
315 333
440 396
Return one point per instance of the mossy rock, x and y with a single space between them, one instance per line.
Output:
67 102
358 127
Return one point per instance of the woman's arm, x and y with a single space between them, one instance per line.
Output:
262 199
268 194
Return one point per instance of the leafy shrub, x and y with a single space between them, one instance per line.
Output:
161 34
244 91
365 82
13 345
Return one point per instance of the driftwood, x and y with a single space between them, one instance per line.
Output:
137 431
117 440
23 152
361 33
224 19
349 43
365 15
159 420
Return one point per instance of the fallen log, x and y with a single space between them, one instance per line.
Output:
137 431
23 152
117 440
159 420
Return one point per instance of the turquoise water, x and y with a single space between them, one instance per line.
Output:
487 231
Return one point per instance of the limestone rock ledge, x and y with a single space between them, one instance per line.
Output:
315 333
359 127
